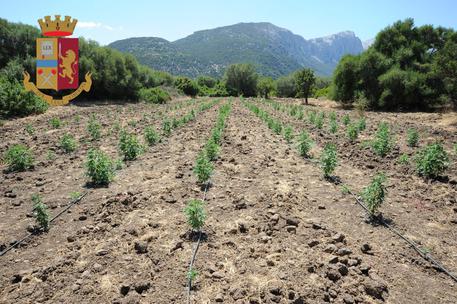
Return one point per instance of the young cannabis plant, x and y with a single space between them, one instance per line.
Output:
203 168
192 274
333 126
212 149
304 144
432 161
382 144
166 127
328 160
403 159
288 134
346 119
195 213
319 121
151 136
412 137
129 146
18 158
362 124
40 212
29 129
67 143
374 194
312 117
94 128
55 122
99 167
352 132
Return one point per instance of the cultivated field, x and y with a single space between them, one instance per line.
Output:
276 231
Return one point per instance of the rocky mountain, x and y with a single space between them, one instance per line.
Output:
275 51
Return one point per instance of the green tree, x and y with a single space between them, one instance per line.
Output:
345 78
241 79
187 86
305 80
286 87
265 86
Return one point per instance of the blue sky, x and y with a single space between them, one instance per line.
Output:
106 21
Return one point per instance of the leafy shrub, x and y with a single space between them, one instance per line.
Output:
40 212
151 136
333 126
432 160
352 132
382 144
304 144
187 86
211 149
362 124
18 158
328 159
129 146
403 159
29 129
99 167
166 127
216 135
286 86
154 95
277 127
412 137
55 122
67 143
288 134
375 193
94 127
346 119
16 101
319 121
241 79
195 214
203 168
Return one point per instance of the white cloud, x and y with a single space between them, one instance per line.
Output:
92 25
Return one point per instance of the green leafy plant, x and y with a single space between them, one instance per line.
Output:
50 155
195 213
192 274
129 146
75 195
383 142
319 120
94 127
375 193
403 159
55 122
432 161
333 127
277 127
151 136
216 135
352 132
455 148
99 167
304 144
40 212
203 168
346 119
328 160
412 137
67 143
345 189
288 134
362 124
29 129
166 127
312 117
332 116
211 149
18 158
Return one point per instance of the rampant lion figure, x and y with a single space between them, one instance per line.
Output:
68 62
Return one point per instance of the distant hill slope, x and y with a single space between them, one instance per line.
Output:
275 51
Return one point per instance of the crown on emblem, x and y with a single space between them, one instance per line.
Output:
57 27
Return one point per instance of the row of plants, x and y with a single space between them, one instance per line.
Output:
431 161
203 169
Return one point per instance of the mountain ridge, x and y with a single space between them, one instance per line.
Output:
275 51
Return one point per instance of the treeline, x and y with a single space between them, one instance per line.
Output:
407 67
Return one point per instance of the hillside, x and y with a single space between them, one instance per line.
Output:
274 50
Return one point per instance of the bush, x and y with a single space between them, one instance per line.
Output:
286 87
203 168
328 160
129 146
382 143
412 137
18 158
352 132
40 212
265 86
15 101
195 214
55 122
151 136
99 167
187 86
154 95
94 127
211 149
374 194
432 161
304 144
241 79
67 143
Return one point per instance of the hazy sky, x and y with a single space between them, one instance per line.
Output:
107 21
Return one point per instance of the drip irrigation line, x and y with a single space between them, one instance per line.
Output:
74 201
416 248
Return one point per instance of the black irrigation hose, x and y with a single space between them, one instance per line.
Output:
50 221
425 256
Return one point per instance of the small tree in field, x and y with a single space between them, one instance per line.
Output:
265 86
305 81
